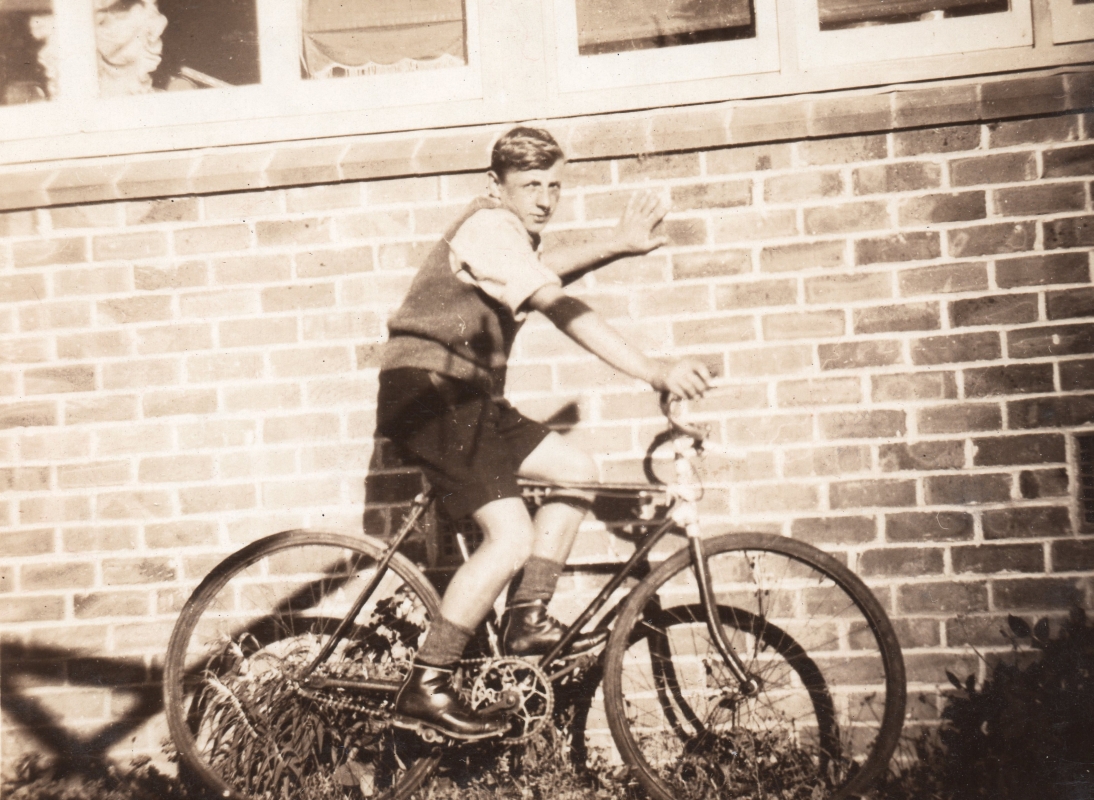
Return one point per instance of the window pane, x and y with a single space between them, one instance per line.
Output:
835 14
28 54
614 26
179 44
369 37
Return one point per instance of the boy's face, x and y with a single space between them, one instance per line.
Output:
530 194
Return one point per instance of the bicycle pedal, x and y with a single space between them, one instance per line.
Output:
432 735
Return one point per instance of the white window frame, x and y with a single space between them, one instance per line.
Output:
660 65
818 49
1072 22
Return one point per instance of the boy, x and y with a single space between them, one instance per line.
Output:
440 403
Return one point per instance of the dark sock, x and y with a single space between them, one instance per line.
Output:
444 643
538 581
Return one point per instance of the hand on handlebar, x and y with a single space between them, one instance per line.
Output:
687 378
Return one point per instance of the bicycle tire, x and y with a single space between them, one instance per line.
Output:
242 722
830 704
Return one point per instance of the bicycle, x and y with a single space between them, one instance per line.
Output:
742 665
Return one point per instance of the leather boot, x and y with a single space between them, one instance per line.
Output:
428 698
528 630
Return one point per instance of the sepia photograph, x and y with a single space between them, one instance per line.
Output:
547 399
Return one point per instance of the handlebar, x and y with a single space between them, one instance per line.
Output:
670 406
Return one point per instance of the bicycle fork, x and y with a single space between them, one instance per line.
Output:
686 514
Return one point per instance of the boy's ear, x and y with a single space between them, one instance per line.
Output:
493 185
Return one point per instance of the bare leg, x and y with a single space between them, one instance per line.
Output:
556 524
508 534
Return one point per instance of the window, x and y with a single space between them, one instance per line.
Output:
1072 20
833 32
612 43
28 68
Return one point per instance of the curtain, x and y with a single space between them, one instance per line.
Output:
603 23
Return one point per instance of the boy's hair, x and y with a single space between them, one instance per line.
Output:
523 149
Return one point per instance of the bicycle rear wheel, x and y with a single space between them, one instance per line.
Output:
244 717
829 703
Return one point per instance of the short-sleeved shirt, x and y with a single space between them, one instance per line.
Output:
466 304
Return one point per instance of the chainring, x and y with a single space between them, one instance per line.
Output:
520 685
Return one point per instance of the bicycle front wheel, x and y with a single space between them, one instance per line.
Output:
247 716
826 707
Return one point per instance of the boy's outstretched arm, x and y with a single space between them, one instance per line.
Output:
632 236
688 377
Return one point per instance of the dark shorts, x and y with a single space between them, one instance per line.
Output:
469 444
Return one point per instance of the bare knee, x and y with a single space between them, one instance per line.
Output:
508 532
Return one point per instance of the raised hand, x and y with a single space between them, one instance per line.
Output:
634 233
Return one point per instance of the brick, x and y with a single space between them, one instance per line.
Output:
820 461
905 317
95 473
844 150
672 301
1066 162
770 429
862 424
993 169
949 597
22 223
252 269
298 296
1051 340
1023 97
211 499
713 330
45 252
323 197
834 530
830 391
258 332
965 489
756 294
852 355
275 233
24 479
685 130
174 338
1012 450
958 418
129 246
27 543
780 360
735 226
757 122
60 379
107 344
218 303
31 609
1069 232
905 561
684 232
134 309
324 263
15 288
224 366
178 402
47 316
24 350
727 194
933 526
82 540
187 533
1010 379
132 505
212 239
935 106
1045 593
955 349
1026 522
307 164
1071 555
140 373
1033 131
796 186
946 139
846 217
782 497
914 386
98 605
808 325
1051 198
916 246
217 434
1042 270
873 493
128 439
70 575
28 415
1077 375
935 208
1040 484
991 239
905 176
104 280
1051 412
995 558
655 167
752 158
944 278
802 256
169 209
714 264
304 427
921 456
848 288
1070 303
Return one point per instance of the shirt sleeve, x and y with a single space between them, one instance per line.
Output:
493 251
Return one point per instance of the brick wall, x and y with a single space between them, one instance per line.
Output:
903 317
